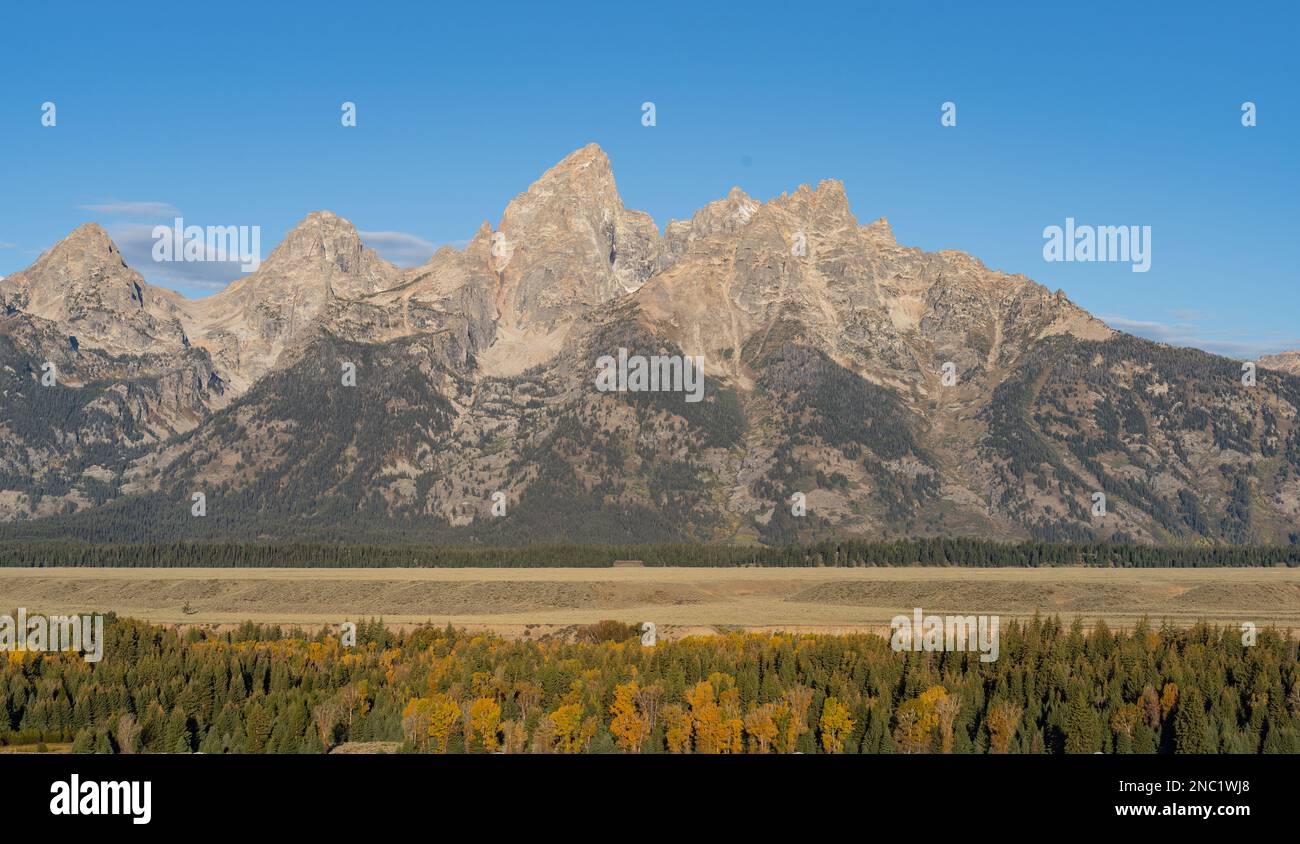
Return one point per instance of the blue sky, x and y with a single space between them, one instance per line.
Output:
1110 113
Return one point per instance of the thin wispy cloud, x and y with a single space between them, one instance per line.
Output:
1189 333
405 250
136 242
118 207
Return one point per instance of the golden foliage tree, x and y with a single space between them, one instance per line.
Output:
792 717
677 722
128 730
714 731
544 735
947 709
629 726
485 722
1168 700
527 696
1128 716
1149 703
415 719
760 726
835 725
444 715
1003 721
648 701
570 730
916 720
513 737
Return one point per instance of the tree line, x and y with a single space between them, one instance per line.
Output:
261 689
938 551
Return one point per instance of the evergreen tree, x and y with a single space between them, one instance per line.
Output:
177 736
1191 728
84 742
1082 730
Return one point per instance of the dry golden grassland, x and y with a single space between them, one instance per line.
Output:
679 600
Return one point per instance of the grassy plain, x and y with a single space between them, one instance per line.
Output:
679 601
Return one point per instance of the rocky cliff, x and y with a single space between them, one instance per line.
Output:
851 386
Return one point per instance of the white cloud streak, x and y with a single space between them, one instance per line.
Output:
136 242
1242 345
405 250
126 208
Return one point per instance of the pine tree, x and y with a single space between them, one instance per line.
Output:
1082 732
1191 729
84 742
176 737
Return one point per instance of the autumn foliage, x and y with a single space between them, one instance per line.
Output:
430 690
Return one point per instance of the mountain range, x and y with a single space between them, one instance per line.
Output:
852 387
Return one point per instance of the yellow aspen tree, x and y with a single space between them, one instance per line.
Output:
354 699
797 701
1149 703
712 735
835 725
527 696
677 723
629 727
761 728
513 737
444 715
909 737
590 725
485 722
415 719
544 735
648 700
1125 719
325 715
735 728
947 709
729 706
917 719
1168 700
1003 721
568 728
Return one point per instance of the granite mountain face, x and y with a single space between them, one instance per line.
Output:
1285 361
853 386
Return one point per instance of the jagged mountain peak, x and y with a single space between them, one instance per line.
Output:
86 250
322 260
824 342
589 161
324 238
567 244
879 231
83 284
827 205
322 257
581 183
88 236
725 216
